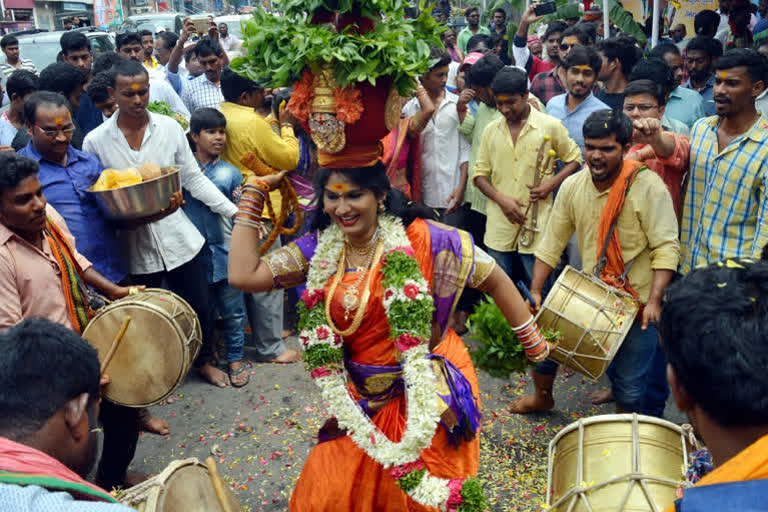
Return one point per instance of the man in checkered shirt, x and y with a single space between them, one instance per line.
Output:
205 90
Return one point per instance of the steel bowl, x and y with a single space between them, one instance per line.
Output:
139 200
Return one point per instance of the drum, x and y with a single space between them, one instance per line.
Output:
617 463
157 350
184 486
592 317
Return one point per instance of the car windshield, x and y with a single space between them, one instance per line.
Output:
154 23
43 53
40 53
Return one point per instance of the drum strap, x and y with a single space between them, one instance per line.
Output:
610 267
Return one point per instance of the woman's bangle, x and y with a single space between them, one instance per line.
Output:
257 186
283 125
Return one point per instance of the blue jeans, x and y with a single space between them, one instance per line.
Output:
635 370
638 373
506 261
229 303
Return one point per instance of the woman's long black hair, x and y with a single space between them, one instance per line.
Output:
372 178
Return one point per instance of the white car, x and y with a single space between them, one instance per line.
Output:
233 25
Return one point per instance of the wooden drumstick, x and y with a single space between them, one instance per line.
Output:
218 486
115 343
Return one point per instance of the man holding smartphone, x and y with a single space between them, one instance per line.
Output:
523 57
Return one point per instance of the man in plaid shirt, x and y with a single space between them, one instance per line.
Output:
725 213
549 84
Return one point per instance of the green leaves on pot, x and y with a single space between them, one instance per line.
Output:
280 47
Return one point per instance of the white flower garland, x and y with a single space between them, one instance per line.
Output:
422 415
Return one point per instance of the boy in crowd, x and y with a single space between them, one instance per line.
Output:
208 131
98 93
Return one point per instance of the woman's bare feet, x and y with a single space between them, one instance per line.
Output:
602 396
156 426
286 357
288 333
214 375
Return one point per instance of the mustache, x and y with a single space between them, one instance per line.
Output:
722 99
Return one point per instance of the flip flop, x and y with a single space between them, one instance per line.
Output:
234 373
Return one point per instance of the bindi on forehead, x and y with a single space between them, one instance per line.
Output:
339 187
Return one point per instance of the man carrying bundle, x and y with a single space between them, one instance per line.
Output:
626 228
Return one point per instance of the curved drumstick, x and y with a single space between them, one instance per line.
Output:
218 487
115 343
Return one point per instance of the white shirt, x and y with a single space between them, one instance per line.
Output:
200 92
161 90
170 242
230 43
443 150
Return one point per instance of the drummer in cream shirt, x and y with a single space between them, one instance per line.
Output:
647 234
165 252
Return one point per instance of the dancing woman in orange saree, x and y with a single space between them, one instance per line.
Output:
380 452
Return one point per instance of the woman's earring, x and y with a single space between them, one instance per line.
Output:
382 207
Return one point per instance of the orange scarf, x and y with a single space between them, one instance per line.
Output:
749 464
611 265
72 281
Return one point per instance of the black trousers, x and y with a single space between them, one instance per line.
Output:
121 433
190 283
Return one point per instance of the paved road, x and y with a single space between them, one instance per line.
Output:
262 433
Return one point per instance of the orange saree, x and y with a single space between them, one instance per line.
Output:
338 476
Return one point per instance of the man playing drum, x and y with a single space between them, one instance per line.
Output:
43 275
49 395
626 229
713 327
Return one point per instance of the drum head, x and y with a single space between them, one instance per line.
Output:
150 359
189 489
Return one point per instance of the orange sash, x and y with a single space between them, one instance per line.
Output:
610 262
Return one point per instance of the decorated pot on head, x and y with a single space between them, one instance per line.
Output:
349 62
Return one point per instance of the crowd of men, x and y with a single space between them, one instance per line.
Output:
635 164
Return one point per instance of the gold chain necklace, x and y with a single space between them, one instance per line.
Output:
358 318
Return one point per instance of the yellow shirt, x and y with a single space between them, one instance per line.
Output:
647 226
248 131
512 166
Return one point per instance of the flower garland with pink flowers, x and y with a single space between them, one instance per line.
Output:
409 307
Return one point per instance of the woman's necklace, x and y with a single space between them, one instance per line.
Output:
350 300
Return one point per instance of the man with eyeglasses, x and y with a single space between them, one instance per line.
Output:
472 14
68 81
663 152
66 173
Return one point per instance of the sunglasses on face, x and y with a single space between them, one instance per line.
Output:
566 46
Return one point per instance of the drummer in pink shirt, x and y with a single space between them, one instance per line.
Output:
31 285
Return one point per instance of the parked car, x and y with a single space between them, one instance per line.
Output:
173 21
43 48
